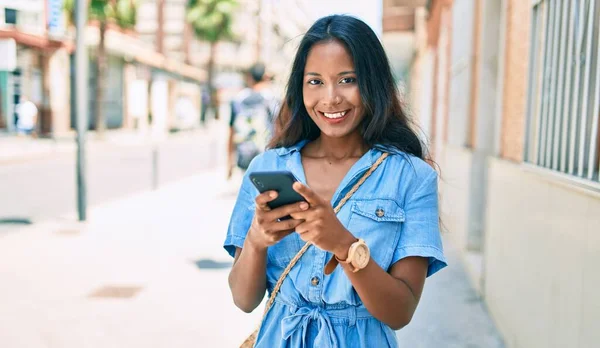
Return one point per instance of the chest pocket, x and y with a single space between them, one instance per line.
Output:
378 222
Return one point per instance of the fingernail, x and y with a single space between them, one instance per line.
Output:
273 194
303 205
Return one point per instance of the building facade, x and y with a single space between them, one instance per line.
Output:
44 72
508 92
32 36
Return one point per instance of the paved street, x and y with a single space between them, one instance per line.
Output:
44 186
52 272
450 313
148 270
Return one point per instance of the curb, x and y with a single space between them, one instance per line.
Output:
70 147
70 219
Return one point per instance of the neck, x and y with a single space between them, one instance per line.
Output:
258 85
352 145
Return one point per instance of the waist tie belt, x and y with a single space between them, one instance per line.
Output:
301 317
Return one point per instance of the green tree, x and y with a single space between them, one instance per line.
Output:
211 21
122 13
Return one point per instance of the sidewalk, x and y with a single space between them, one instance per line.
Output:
150 244
149 241
16 149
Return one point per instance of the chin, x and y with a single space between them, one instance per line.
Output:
335 133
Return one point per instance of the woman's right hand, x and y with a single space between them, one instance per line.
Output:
266 229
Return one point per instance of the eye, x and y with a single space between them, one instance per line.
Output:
348 80
314 82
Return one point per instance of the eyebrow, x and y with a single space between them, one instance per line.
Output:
340 74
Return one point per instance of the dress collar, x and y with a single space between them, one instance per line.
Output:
282 151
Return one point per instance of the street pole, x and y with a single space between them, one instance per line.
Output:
81 99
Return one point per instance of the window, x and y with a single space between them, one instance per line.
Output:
10 16
563 106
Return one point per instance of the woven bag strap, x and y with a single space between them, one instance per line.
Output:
289 267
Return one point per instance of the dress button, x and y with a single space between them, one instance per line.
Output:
315 281
379 212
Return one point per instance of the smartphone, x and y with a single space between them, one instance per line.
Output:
280 181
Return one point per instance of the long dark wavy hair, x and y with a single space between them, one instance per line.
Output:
385 124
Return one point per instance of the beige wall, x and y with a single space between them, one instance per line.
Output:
515 79
441 84
416 70
542 256
455 164
60 92
540 276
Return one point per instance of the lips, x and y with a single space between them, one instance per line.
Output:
335 117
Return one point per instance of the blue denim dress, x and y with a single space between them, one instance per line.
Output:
395 211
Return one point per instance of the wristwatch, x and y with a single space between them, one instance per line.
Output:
358 258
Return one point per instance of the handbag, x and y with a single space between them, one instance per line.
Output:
251 340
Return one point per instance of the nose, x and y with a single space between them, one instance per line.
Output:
333 97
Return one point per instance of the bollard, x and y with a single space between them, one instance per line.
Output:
154 166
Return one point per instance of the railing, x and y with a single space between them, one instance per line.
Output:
563 106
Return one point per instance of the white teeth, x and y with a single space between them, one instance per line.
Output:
336 115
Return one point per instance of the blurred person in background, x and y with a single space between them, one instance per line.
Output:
251 122
27 114
343 134
205 100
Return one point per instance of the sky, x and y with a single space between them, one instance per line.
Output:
367 10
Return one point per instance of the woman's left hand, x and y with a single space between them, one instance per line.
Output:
321 226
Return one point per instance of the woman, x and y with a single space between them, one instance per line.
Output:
341 113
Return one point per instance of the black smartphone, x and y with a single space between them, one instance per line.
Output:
280 181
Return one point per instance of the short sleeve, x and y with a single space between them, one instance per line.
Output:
420 233
241 219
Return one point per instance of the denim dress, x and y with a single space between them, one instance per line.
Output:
395 211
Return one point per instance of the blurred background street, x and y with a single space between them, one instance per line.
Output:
506 92
117 167
149 270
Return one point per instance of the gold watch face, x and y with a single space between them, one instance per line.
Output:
361 256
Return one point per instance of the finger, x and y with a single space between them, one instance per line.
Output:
288 210
264 198
311 197
311 214
304 227
263 207
281 234
284 225
306 215
307 237
276 237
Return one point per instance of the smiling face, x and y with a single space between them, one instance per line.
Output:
330 89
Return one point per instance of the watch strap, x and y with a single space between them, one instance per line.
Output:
343 261
334 261
330 266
